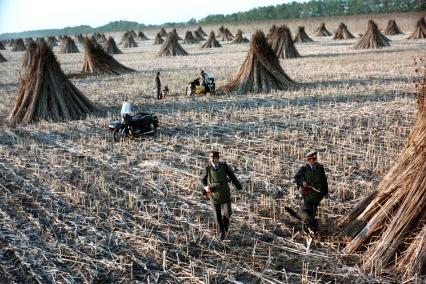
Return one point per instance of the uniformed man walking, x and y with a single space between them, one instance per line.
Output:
312 181
216 188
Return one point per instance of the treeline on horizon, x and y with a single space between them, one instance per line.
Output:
312 8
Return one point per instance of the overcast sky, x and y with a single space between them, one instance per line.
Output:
25 15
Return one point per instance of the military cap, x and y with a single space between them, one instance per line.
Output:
213 153
311 154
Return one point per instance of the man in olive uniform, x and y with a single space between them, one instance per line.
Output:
312 180
216 188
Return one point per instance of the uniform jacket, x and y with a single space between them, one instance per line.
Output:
315 178
218 181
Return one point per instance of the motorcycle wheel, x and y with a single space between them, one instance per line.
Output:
119 134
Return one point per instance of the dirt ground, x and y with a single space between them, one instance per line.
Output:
76 207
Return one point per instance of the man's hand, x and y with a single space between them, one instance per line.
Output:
207 189
305 184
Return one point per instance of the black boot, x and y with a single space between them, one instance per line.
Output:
226 224
222 234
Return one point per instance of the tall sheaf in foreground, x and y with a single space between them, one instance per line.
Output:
391 222
46 93
261 71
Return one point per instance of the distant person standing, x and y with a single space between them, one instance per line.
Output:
158 86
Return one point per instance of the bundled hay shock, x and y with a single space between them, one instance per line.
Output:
45 92
322 31
226 35
301 36
198 36
18 45
211 41
343 32
163 32
142 36
261 71
420 31
171 47
52 42
2 59
392 29
111 47
176 34
391 223
29 54
372 38
189 38
239 38
282 43
97 61
129 41
68 45
201 32
158 39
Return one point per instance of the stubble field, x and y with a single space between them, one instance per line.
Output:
77 208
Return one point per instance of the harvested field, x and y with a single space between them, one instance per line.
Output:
76 207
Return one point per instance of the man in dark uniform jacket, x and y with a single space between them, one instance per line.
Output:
312 180
216 188
158 86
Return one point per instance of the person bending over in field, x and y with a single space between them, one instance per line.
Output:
216 188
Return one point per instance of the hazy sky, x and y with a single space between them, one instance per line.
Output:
24 15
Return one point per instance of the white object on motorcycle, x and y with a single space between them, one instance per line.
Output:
126 108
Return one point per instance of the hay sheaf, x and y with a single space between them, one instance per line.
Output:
68 46
239 38
111 47
420 31
282 43
211 41
97 61
391 223
261 71
158 39
301 36
18 45
171 47
322 31
372 38
392 28
2 59
343 32
46 94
